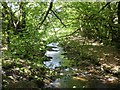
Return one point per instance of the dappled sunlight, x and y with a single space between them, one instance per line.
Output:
80 78
97 44
60 45
85 41
107 71
117 58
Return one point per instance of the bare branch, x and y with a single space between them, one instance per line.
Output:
58 18
104 7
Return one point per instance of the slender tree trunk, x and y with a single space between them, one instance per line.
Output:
118 32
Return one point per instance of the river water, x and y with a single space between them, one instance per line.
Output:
68 78
55 54
66 81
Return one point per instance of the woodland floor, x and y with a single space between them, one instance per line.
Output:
98 62
93 62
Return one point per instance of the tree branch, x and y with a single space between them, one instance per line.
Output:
92 16
104 7
70 33
58 18
47 12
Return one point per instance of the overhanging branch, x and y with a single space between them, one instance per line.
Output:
58 18
104 7
47 12
90 18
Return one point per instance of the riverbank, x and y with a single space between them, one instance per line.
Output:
97 62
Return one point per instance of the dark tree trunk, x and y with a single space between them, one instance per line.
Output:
119 13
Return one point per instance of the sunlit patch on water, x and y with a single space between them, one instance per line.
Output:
53 44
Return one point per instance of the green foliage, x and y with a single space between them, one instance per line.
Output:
25 38
74 15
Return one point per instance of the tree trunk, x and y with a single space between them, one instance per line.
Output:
118 13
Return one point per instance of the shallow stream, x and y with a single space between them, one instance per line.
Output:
68 77
54 54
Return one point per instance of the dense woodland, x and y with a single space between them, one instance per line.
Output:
88 32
